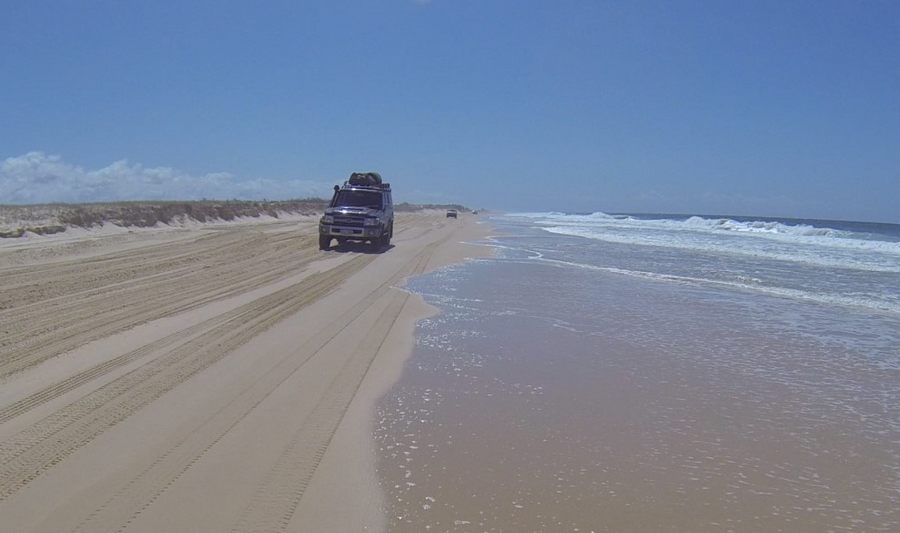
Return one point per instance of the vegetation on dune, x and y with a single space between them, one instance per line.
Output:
147 214
40 230
46 219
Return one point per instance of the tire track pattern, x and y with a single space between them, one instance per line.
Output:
142 491
40 328
36 449
71 383
275 501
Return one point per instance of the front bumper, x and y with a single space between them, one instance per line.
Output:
350 232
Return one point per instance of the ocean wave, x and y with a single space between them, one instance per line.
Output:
875 256
556 215
764 226
744 284
772 239
700 223
696 222
537 214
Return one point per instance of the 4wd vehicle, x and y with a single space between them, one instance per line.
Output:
360 210
451 213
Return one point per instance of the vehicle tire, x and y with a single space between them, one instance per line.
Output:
386 239
341 242
324 242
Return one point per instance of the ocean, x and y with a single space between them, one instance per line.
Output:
844 263
614 372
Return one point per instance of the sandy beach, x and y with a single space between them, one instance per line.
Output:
428 266
205 379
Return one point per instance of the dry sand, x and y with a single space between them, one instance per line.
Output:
209 379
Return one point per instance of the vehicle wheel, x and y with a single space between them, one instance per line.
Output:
341 242
386 239
324 242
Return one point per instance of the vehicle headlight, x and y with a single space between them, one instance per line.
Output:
327 219
371 222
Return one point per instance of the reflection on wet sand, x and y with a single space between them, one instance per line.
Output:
544 399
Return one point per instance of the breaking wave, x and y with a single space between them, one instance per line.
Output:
771 239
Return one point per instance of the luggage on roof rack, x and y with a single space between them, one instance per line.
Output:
369 179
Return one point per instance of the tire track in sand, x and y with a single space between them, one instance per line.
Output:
305 450
33 451
276 499
71 383
274 503
29 340
57 389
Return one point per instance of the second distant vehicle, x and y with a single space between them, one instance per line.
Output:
361 210
451 213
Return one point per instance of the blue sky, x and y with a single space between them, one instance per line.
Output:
767 108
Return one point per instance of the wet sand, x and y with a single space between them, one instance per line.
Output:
211 379
547 399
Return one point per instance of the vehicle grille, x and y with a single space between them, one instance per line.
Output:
343 220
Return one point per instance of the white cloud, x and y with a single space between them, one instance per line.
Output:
36 177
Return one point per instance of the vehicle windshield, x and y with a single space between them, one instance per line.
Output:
358 199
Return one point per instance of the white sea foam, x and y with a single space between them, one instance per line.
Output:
743 284
698 223
761 226
832 266
820 246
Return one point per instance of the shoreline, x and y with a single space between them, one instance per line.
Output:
206 380
345 476
550 395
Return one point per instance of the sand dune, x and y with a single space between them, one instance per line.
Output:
216 379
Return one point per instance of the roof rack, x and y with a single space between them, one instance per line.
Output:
378 187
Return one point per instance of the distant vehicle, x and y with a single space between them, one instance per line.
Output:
451 213
361 210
